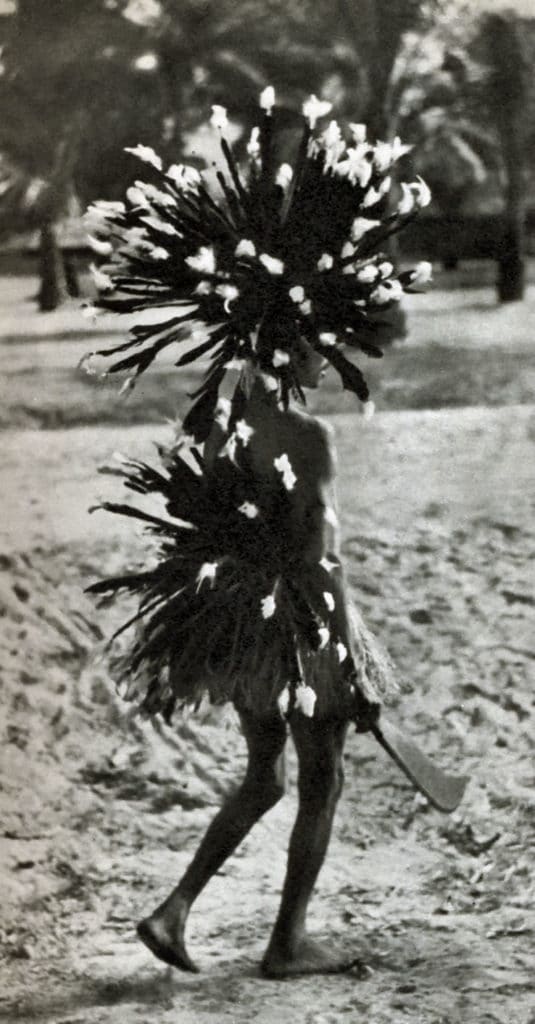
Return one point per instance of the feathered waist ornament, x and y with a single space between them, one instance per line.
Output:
230 608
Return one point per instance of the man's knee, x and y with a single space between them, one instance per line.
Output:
338 779
273 792
273 783
320 746
334 779
266 783
325 785
262 793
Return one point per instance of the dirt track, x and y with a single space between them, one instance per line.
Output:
100 815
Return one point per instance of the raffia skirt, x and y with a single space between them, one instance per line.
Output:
229 610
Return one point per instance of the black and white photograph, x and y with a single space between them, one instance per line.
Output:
267 542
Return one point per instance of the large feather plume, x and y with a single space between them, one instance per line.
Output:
283 252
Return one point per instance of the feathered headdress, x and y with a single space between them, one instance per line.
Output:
282 253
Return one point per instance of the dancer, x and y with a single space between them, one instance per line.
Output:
247 602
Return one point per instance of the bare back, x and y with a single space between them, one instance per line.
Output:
307 444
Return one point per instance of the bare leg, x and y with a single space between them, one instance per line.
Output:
262 787
290 952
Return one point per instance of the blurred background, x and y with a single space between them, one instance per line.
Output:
82 79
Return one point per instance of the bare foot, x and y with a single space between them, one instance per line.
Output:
171 949
310 958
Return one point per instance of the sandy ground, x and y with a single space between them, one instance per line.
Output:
100 814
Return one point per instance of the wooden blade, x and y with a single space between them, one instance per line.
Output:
443 790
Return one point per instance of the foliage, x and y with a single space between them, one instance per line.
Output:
81 79
437 108
68 91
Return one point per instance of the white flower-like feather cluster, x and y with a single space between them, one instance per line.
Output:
235 262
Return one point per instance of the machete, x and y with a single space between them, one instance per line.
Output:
444 791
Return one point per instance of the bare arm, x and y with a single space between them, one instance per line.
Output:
320 517
324 544
219 432
315 498
213 445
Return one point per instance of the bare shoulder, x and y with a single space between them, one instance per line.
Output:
311 443
306 441
326 427
312 428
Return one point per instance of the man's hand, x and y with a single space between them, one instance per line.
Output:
367 712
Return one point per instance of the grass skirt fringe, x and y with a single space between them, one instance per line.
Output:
229 610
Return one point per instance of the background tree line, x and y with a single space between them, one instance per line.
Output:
81 79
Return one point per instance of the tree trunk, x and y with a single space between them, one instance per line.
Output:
71 276
509 96
53 291
56 278
511 269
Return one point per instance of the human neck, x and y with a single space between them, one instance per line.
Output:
262 394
